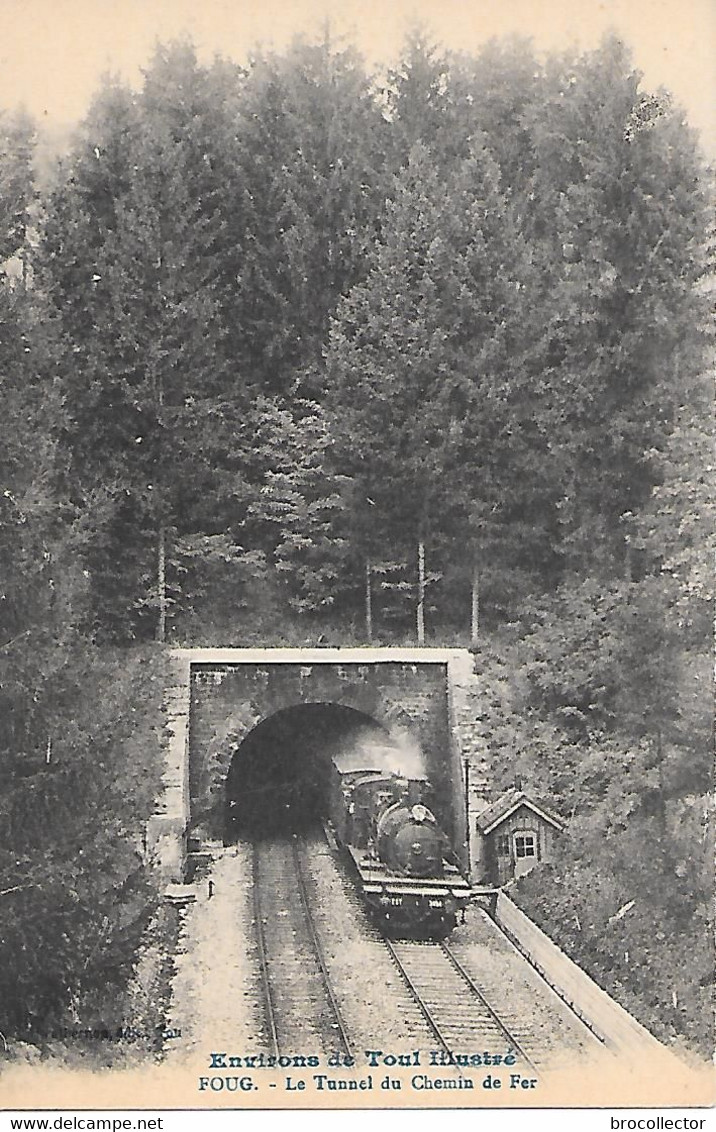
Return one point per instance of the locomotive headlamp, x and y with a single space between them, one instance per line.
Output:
418 812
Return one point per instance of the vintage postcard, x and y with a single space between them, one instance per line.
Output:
357 519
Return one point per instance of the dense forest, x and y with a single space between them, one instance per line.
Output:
293 352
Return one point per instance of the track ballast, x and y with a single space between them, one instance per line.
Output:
300 1008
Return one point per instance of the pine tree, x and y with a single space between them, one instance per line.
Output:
131 274
299 507
617 216
496 93
418 101
308 184
425 361
18 195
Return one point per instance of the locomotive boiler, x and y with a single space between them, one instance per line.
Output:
405 868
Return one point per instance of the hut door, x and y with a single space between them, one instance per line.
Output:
503 853
524 844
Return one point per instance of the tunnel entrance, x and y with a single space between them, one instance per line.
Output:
278 778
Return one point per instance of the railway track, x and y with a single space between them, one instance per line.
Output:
462 996
301 1010
538 1036
398 1013
444 1004
453 1006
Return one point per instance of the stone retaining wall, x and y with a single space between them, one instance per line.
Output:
605 1017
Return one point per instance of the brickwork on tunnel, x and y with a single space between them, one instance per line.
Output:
228 702
221 695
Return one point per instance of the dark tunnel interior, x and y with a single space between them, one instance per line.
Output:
278 779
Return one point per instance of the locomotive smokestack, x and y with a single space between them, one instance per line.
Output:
414 792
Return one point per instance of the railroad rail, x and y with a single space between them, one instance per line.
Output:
338 1023
438 982
260 922
299 1003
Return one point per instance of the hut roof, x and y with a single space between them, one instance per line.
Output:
506 805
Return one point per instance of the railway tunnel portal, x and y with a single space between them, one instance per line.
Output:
277 780
251 730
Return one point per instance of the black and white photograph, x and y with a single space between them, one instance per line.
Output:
357 540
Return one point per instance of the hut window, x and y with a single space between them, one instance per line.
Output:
525 845
503 845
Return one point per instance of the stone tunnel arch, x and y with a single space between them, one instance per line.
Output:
278 774
221 695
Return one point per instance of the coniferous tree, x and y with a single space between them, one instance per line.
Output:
308 187
130 273
616 214
71 880
418 101
18 194
427 361
299 507
498 92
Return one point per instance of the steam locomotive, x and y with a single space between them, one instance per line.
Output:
406 872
